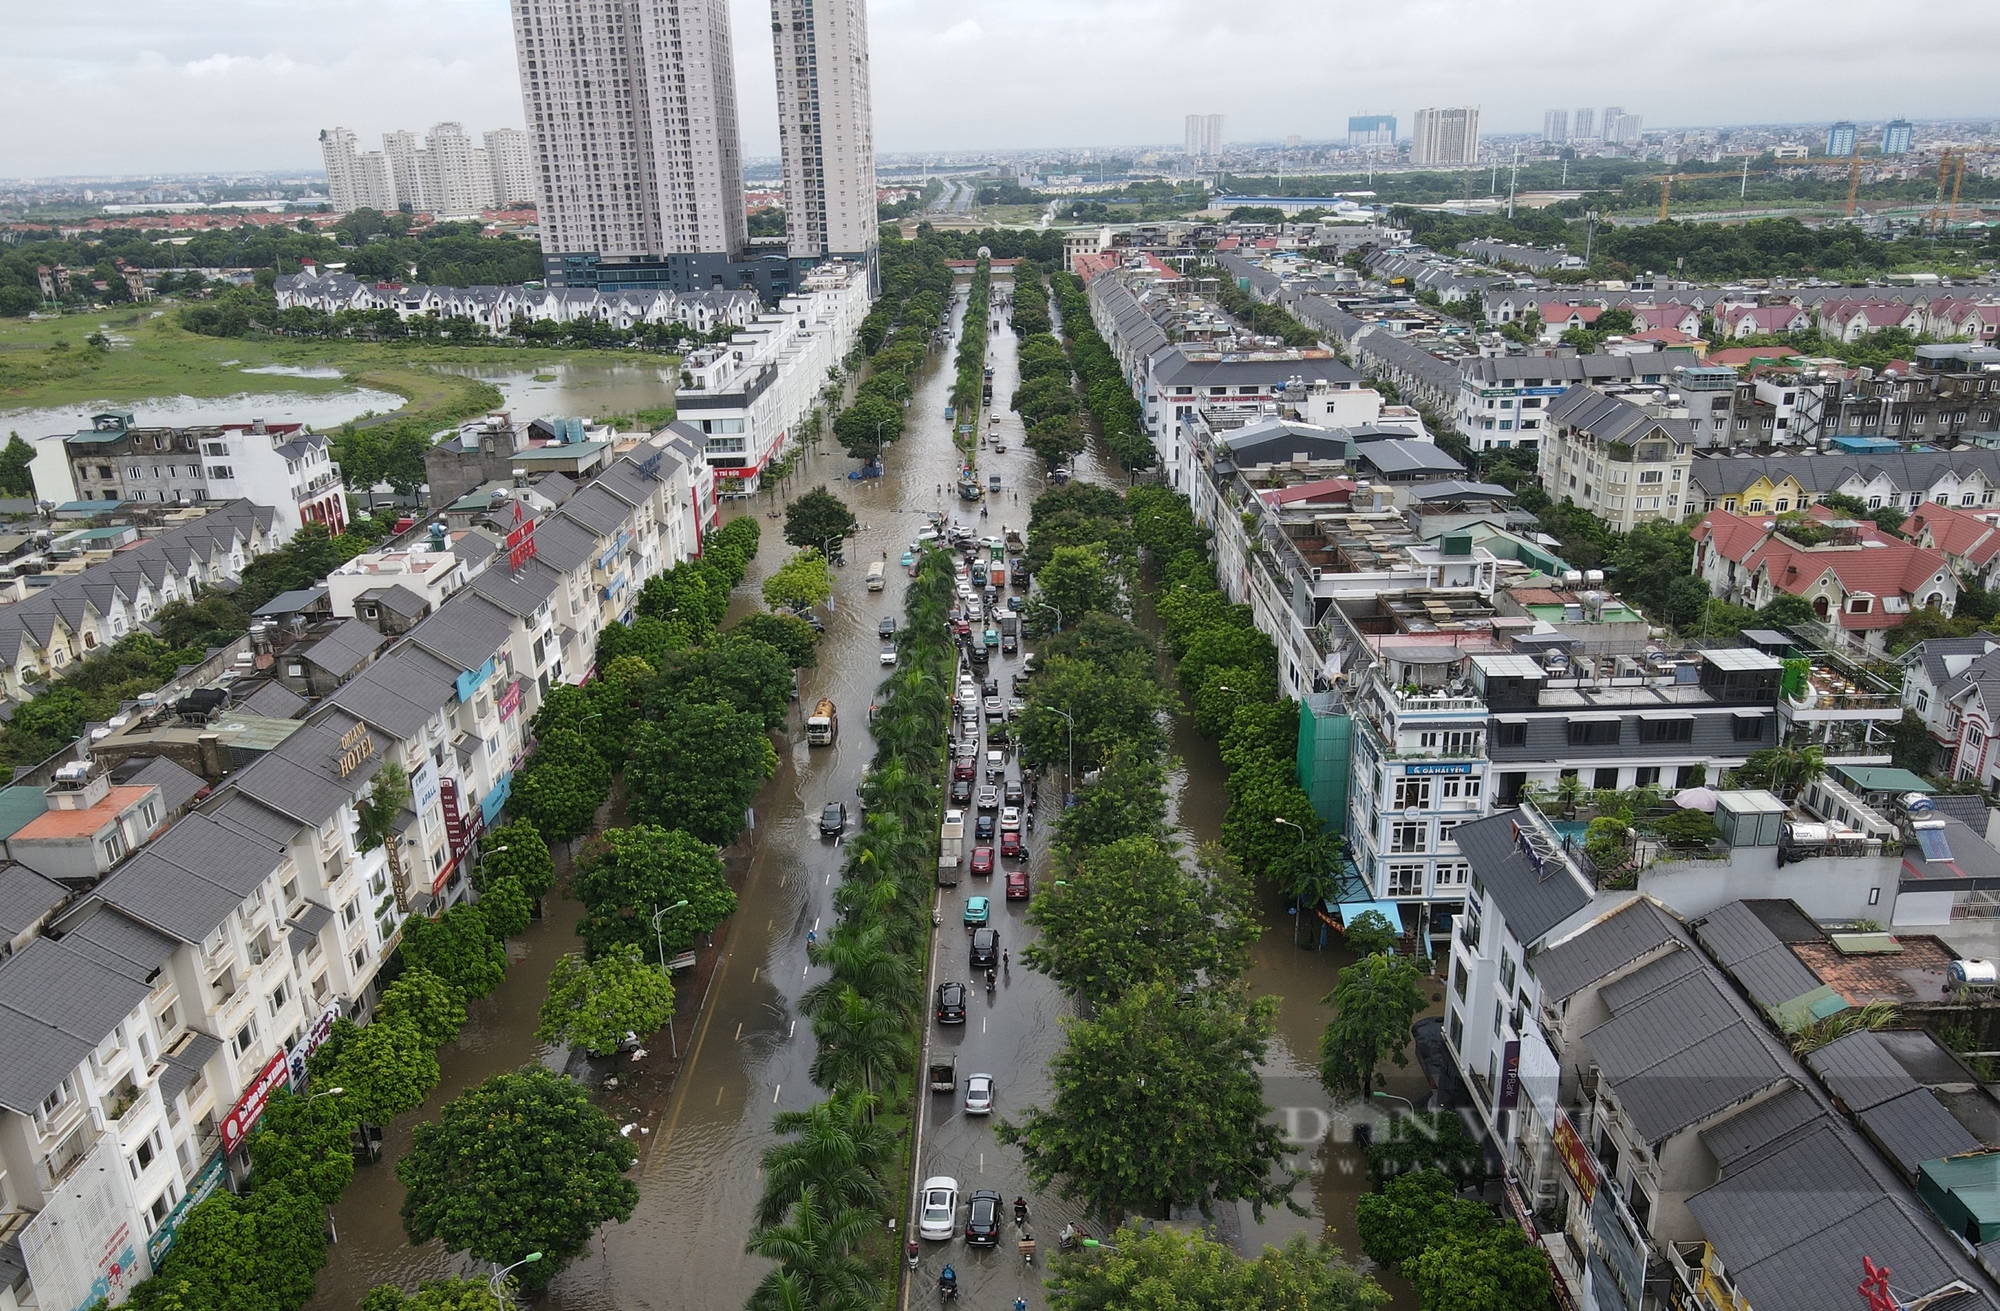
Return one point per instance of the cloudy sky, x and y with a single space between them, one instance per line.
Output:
102 86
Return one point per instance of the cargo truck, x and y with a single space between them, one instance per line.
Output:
823 724
951 848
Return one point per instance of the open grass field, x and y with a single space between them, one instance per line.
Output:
47 362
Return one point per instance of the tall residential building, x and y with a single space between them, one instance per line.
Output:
1555 125
826 132
1445 137
511 159
1583 125
1620 127
1371 130
632 107
1204 136
1608 124
1896 137
1840 139
406 169
355 179
459 176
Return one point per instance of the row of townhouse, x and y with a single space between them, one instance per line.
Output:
148 1017
53 627
1966 478
498 307
749 396
283 465
1501 400
1953 685
1860 581
1627 1059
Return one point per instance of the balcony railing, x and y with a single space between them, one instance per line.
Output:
1701 1276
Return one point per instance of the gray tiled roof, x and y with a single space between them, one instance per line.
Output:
1532 902
240 814
184 1065
1633 930
1658 975
597 509
305 925
562 543
1790 1228
1765 967
345 647
273 701
1612 419
300 777
400 693
25 897
60 997
191 877
1681 1055
1747 1135
1859 1070
465 632
1915 1128
1907 470
398 600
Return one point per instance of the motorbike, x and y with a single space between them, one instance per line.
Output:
948 1285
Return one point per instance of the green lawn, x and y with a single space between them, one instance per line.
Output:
46 363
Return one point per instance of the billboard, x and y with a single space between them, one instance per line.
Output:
249 1108
84 1244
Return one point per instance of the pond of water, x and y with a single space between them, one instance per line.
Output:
588 390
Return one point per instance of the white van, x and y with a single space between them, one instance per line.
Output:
875 578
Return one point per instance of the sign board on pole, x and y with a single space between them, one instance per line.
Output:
236 1125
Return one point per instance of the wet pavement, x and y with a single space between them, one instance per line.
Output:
702 1122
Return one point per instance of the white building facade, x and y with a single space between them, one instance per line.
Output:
826 128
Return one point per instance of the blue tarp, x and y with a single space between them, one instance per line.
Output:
1388 910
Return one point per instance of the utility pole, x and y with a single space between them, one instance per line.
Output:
1589 231
1743 188
1513 178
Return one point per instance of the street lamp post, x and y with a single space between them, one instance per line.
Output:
1044 605
1298 910
497 1282
659 946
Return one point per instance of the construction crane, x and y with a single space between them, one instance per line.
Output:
1853 181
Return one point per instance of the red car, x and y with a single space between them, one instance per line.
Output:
1010 845
1017 884
964 771
982 863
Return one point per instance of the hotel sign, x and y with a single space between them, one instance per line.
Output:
356 747
1576 1158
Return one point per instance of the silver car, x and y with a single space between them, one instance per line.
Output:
979 1094
938 1221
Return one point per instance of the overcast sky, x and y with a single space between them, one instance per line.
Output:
103 86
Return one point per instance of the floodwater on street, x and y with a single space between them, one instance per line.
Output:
745 1049
589 390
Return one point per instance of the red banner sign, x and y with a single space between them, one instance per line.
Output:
454 822
236 1125
510 701
1576 1158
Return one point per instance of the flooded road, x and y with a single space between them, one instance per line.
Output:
703 1122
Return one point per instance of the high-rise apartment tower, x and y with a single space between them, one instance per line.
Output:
1555 125
1204 137
826 132
1896 136
1841 140
1583 125
632 107
1445 137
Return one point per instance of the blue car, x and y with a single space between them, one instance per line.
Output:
977 911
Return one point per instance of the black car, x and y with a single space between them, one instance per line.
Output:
951 1003
985 949
982 827
887 628
961 791
833 820
982 1228
991 687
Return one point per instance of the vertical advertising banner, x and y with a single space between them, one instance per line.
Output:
82 1245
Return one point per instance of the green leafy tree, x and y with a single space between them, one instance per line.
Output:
468 1294
1075 581
689 596
1146 1062
426 1003
560 788
1375 1000
385 1069
1129 914
868 425
593 1004
522 1163
736 669
1107 709
1413 1212
788 635
819 1259
1166 1269
1427 1140
204 622
508 908
516 851
304 1144
1127 800
1495 1270
1371 934
699 767
236 1253
800 583
459 947
17 459
819 519
637 869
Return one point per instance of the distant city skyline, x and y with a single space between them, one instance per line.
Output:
81 86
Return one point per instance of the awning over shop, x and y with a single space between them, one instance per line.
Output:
1349 911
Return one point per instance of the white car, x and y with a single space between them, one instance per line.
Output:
938 1221
979 1094
1010 819
889 656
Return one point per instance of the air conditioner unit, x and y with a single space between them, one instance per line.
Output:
1317 573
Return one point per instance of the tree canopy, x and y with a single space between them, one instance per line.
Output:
593 1004
622 879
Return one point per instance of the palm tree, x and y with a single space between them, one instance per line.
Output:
861 962
1569 791
860 1042
819 1265
840 1156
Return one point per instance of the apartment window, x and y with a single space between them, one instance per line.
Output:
1860 605
1666 730
1413 794
350 912
221 471
278 998
1456 1027
58 1099
1408 835
245 1039
1748 728
359 958
1593 732
1452 875
146 1153
1510 735
1444 832
1657 476
1923 701
1406 880
1507 972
